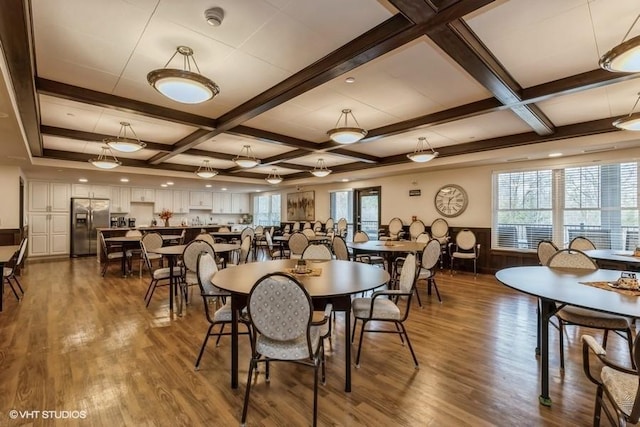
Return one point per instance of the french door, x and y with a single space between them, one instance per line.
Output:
367 211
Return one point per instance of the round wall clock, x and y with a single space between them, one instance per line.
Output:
451 200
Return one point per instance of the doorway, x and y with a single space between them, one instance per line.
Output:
367 211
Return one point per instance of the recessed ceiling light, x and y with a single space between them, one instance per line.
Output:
208 185
257 191
223 189
163 185
83 180
345 179
124 179
555 154
350 80
169 182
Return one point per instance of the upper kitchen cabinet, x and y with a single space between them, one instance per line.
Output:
49 197
120 199
240 203
91 191
200 200
143 195
164 200
181 201
221 203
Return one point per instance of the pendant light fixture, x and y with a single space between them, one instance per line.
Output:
631 121
423 152
624 57
206 171
274 177
346 134
321 169
123 143
106 159
183 85
246 159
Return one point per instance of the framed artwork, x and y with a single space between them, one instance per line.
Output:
301 206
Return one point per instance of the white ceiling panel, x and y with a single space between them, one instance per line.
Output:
330 160
184 159
267 169
89 147
492 125
232 144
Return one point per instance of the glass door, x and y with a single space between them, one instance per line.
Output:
367 211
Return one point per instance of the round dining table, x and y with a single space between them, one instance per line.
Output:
335 283
389 249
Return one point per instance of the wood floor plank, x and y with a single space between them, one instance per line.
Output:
78 341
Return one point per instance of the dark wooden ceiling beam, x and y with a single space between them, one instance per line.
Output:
417 11
113 102
273 138
93 137
15 40
361 157
459 42
289 155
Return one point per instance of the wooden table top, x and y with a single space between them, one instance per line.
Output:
6 252
563 285
337 278
387 246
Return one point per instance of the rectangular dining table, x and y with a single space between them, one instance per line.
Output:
566 286
338 280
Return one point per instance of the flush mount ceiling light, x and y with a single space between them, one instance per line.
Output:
624 57
346 134
183 85
123 143
274 177
214 16
246 159
106 160
206 171
423 152
321 169
630 122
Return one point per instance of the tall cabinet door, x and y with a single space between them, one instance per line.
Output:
59 234
38 234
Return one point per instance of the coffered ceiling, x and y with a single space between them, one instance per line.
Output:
490 79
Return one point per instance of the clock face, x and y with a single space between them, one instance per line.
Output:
451 200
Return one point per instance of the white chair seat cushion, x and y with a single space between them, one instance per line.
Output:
465 255
163 273
295 256
584 317
424 274
383 309
623 387
6 271
116 255
223 314
288 350
154 256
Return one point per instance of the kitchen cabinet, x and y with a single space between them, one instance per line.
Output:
163 200
200 200
120 200
181 201
48 234
142 195
92 191
240 203
49 197
221 203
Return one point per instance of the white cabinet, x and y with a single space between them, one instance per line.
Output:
163 200
181 201
94 191
240 203
48 234
49 197
120 200
221 203
142 195
200 200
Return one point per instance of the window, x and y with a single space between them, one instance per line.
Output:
599 202
266 210
341 206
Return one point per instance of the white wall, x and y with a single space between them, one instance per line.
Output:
10 206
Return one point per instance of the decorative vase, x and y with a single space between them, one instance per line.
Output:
166 222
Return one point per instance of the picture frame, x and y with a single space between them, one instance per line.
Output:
301 206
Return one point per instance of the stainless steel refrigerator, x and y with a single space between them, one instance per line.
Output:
86 216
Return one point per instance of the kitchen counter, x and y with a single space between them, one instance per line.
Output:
211 227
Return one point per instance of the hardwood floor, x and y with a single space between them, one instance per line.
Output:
79 342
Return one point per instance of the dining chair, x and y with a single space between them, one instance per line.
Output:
206 237
206 268
317 252
152 240
383 307
423 237
546 249
190 264
430 258
329 225
440 231
309 233
13 269
273 252
281 311
109 255
581 243
340 248
415 229
616 384
571 315
393 230
243 254
295 227
158 275
297 244
372 258
342 227
465 247
317 227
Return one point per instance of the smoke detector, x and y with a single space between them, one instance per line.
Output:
214 16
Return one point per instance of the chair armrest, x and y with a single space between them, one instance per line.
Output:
394 292
477 250
589 345
327 314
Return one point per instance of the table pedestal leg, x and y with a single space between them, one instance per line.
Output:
234 341
347 345
547 309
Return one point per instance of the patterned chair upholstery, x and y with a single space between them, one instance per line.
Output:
465 247
361 237
581 243
423 237
317 252
430 258
382 307
297 244
243 254
393 231
206 267
570 315
309 232
440 230
190 263
415 229
158 275
340 248
281 313
617 384
342 227
110 254
546 249
273 252
152 240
